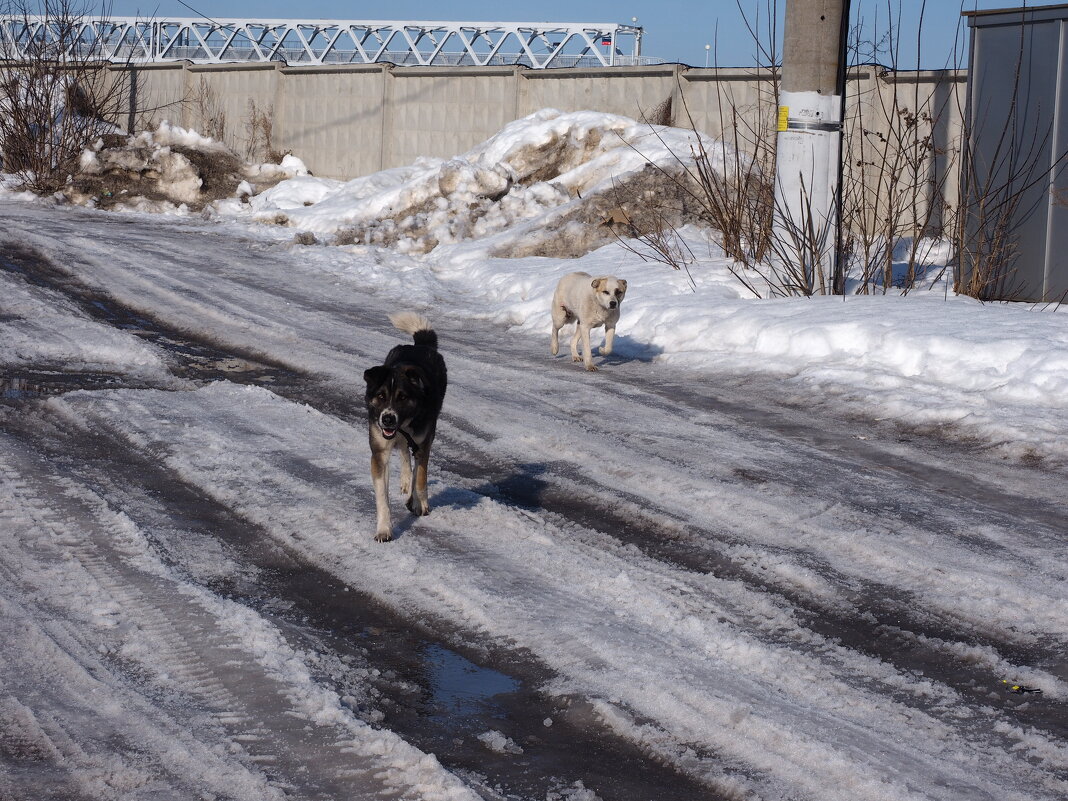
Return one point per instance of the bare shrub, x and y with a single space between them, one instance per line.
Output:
209 111
661 241
900 159
736 177
56 94
730 180
259 133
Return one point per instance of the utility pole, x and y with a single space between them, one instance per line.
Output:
808 144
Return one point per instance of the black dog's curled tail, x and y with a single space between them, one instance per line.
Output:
416 325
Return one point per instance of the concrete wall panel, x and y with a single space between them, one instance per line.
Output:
158 92
636 92
333 119
225 101
443 113
350 120
709 96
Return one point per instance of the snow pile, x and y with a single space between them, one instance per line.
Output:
11 186
548 184
168 168
576 792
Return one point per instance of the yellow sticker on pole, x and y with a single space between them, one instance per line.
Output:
784 115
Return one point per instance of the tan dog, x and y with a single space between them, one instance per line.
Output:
589 303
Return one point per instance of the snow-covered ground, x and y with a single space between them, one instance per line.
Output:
723 541
995 372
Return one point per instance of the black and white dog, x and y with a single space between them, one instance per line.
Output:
404 397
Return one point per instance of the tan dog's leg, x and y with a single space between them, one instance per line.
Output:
560 318
587 352
609 335
418 503
380 479
575 357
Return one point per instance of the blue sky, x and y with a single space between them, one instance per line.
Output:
675 30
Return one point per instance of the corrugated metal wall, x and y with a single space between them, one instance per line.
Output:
1016 179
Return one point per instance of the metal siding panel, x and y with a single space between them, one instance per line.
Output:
1015 153
1055 279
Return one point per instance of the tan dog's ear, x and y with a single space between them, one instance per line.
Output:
623 284
596 283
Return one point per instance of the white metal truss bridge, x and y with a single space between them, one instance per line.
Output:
298 42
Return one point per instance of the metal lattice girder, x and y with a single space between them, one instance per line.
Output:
122 39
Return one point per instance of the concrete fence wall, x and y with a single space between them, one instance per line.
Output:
351 120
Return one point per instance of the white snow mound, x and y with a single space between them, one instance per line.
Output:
544 185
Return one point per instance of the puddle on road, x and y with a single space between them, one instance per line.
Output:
460 688
24 386
448 704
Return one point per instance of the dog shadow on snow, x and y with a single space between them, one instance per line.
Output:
523 488
625 349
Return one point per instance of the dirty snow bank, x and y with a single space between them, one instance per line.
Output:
546 184
168 169
932 361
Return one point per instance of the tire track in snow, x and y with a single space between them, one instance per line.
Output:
89 752
580 747
617 769
567 598
890 613
177 650
878 621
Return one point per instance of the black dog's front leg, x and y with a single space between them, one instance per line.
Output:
418 502
380 479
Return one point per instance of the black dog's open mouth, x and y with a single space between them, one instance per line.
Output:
388 433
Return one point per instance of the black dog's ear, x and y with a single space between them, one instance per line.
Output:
375 375
415 375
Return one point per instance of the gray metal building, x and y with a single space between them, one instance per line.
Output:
1016 171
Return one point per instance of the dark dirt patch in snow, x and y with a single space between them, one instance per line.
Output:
124 172
190 357
647 201
143 173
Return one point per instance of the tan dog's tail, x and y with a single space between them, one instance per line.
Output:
415 324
